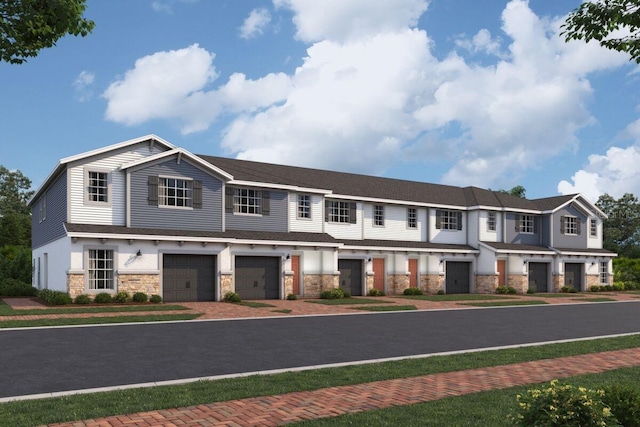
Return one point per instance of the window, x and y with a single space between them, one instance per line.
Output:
491 221
570 225
247 201
175 192
97 187
525 224
340 211
448 220
412 218
100 269
304 206
604 273
378 215
42 210
593 227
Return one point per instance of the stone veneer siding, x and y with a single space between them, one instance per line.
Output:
226 284
132 283
369 284
75 284
314 284
486 284
288 284
519 282
431 283
593 280
558 282
397 283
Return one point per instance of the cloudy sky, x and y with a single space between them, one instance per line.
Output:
457 92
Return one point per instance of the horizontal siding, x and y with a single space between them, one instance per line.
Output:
275 221
561 240
53 226
313 225
346 231
486 235
115 213
454 237
209 218
523 238
395 224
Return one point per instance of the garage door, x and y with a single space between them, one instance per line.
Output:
538 276
350 275
457 277
257 277
573 276
188 278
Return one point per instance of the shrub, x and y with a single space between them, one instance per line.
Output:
568 290
594 288
10 287
122 297
441 292
292 297
511 290
531 291
607 288
624 402
501 290
375 293
412 291
346 294
630 286
231 297
54 297
139 297
336 293
156 299
103 298
83 299
562 405
618 286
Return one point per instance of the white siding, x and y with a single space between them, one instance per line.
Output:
395 224
455 237
114 214
594 242
58 264
346 231
313 225
489 236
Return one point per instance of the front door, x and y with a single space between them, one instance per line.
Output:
573 275
538 276
457 277
351 275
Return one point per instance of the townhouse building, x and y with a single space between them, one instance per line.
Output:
147 216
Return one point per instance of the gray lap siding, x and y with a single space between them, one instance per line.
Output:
52 227
562 240
512 236
145 215
276 220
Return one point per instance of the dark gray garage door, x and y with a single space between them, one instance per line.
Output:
457 277
573 275
350 275
257 277
188 278
538 276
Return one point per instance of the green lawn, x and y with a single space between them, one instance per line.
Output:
558 295
70 408
347 301
505 303
386 307
456 297
596 299
96 320
254 304
6 310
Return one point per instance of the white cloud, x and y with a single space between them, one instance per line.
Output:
255 23
162 7
481 42
82 85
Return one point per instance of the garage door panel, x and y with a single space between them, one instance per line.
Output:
188 278
573 275
351 275
457 277
257 277
538 276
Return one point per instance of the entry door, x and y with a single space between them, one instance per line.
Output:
413 273
538 276
573 275
378 274
502 272
295 267
350 275
457 277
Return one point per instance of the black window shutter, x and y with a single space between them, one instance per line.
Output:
327 204
578 227
352 213
152 197
228 199
459 220
562 224
438 219
266 202
197 194
517 223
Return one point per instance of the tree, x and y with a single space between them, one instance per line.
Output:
518 191
621 230
28 26
600 19
15 215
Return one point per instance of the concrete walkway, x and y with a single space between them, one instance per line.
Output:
330 402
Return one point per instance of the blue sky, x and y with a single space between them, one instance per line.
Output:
457 92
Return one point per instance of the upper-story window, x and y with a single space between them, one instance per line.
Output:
378 215
593 227
247 201
526 224
304 206
448 220
97 187
340 211
491 221
570 225
175 192
604 273
412 218
42 211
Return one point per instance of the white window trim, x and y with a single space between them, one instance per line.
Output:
303 218
86 250
522 224
451 221
495 222
374 216
603 273
593 226
160 196
42 208
257 196
340 208
85 190
566 225
415 218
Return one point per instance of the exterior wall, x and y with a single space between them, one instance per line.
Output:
52 273
395 224
314 284
209 218
593 280
313 225
132 283
595 242
458 237
512 236
226 284
52 227
519 282
432 283
276 220
75 285
346 231
561 240
486 284
397 283
558 282
486 235
112 213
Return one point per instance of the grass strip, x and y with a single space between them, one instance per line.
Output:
489 408
505 303
96 320
348 301
6 310
254 304
282 310
596 299
80 407
393 307
559 295
456 297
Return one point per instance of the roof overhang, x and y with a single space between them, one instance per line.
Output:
180 153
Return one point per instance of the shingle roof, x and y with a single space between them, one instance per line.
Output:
586 251
518 247
550 203
406 244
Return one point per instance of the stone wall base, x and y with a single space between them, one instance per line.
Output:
369 284
75 284
288 285
592 280
431 283
132 283
558 282
519 282
315 284
226 284
397 283
486 284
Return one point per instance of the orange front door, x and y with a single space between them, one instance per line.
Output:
413 273
378 274
502 273
295 267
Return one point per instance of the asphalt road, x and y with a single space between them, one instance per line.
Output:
61 359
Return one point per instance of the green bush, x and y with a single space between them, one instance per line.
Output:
531 291
122 297
624 402
292 297
346 294
501 290
336 293
375 293
103 298
156 299
630 286
412 291
231 297
511 290
139 297
54 297
562 405
83 299
441 292
568 290
618 286
594 288
10 287
607 288
15 263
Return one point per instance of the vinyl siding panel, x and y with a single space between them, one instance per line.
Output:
484 233
313 225
346 231
275 221
52 227
395 224
112 213
523 238
208 218
456 237
561 240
